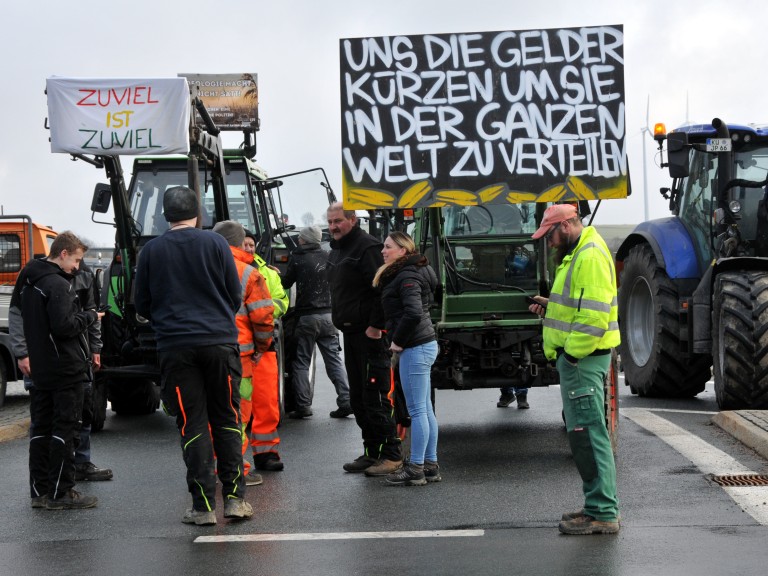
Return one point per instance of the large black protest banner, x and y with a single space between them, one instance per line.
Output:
487 117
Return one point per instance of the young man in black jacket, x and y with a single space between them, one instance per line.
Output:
356 309
85 287
55 327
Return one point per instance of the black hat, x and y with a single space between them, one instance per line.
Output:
180 203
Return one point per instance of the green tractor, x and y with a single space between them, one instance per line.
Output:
231 186
487 264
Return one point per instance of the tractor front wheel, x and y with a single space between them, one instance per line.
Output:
650 326
740 340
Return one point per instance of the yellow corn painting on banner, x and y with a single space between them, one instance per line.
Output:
483 118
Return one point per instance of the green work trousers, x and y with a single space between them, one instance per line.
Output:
583 393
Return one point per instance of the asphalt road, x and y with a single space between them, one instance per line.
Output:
508 476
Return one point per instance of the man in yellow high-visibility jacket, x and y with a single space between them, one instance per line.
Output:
580 329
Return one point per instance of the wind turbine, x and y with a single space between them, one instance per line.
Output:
645 129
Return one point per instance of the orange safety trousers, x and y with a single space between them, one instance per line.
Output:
261 409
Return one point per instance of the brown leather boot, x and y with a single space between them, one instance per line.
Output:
384 468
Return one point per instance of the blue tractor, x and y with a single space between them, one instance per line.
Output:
693 294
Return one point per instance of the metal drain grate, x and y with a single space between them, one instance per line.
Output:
741 480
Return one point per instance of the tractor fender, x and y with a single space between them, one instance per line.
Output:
745 263
671 244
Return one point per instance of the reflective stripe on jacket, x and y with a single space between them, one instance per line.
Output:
254 318
279 297
582 314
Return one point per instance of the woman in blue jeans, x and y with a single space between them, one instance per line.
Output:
408 285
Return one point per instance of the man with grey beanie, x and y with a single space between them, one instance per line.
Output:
188 287
306 268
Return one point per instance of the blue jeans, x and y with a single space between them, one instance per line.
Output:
318 329
415 367
515 391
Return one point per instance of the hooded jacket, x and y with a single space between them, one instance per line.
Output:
54 323
352 264
306 269
87 293
408 288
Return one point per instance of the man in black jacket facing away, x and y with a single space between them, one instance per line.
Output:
356 310
307 269
55 327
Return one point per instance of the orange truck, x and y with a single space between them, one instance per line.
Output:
20 241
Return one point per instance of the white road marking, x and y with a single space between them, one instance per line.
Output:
339 536
678 410
710 460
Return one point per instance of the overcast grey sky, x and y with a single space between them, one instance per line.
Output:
711 54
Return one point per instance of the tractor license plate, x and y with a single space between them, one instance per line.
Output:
718 144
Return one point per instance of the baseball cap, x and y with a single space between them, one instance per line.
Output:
554 215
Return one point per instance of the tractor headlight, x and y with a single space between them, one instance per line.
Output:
734 206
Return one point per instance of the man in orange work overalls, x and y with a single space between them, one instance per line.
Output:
255 327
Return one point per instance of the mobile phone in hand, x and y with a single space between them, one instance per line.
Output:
103 308
532 300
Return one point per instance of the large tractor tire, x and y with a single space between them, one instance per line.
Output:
99 404
650 327
740 340
134 397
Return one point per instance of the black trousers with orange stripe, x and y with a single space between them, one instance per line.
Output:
201 388
371 394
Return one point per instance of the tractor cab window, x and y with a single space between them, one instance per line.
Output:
491 266
696 205
237 201
147 189
490 219
750 164
149 185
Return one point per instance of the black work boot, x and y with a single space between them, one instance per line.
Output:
522 402
270 462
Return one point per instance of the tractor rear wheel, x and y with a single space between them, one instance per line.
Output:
740 340
650 326
134 397
99 404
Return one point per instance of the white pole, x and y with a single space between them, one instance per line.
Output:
643 132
